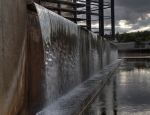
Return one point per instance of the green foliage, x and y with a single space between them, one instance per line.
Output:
133 37
148 38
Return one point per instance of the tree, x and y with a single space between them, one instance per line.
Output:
134 36
148 38
117 36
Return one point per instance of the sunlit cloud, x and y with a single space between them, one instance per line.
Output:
132 15
108 26
140 29
139 19
95 25
123 24
148 15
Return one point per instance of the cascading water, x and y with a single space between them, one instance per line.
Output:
72 54
61 54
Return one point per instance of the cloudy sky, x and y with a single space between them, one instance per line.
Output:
132 15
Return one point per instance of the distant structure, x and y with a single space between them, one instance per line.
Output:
73 9
133 46
134 49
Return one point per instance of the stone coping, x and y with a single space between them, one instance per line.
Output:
74 102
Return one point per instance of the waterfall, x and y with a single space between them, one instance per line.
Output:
61 53
72 54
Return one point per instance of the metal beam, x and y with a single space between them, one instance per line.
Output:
66 3
99 5
70 10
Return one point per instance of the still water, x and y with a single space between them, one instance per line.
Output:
127 92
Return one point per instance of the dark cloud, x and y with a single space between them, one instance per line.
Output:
139 6
134 12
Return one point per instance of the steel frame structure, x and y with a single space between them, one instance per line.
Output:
91 8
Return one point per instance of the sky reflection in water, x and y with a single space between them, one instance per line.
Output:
127 92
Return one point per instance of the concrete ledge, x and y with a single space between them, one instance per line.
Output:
77 100
135 57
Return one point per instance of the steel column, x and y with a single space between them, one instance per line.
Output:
101 18
112 20
59 7
75 14
88 14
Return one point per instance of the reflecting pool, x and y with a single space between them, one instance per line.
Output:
127 92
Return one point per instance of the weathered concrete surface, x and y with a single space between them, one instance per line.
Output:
12 56
35 67
22 60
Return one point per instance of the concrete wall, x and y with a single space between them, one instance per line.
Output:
35 65
12 56
21 60
22 66
72 54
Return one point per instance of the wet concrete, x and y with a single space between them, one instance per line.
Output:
71 54
35 67
127 92
74 102
25 49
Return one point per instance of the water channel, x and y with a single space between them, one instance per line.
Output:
127 92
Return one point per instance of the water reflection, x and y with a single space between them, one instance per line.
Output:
127 92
